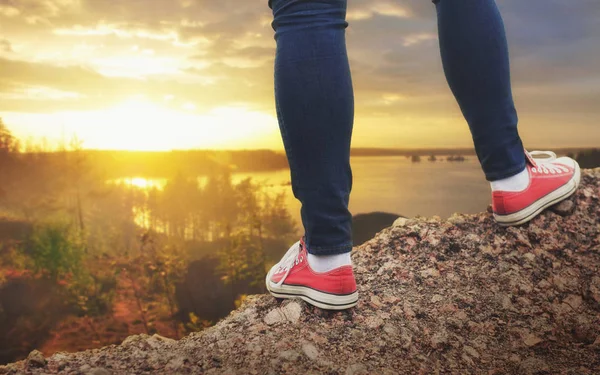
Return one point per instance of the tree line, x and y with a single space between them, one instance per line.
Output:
92 247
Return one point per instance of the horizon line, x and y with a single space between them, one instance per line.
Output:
281 150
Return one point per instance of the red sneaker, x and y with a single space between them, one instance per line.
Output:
551 180
292 277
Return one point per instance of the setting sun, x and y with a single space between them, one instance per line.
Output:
163 75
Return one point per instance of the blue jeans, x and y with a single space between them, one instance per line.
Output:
315 103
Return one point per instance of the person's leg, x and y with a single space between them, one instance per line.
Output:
475 58
314 99
315 109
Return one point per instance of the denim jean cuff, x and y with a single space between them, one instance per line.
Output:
494 176
329 250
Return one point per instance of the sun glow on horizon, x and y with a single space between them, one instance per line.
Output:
142 125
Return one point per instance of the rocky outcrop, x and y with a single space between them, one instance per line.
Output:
461 296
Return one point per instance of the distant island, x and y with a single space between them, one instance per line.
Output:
422 152
465 151
455 158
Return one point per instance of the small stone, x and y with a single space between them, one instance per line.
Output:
158 337
289 355
59 357
310 350
594 289
430 272
36 359
98 371
292 311
530 257
584 333
439 340
218 371
176 363
525 287
373 322
471 351
507 302
532 340
391 299
461 315
564 208
356 369
376 301
560 283
390 329
544 284
274 316
436 298
467 359
456 219
85 368
157 342
132 339
514 358
574 301
405 337
400 222
532 365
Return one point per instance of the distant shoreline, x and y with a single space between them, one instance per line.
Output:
117 164
358 151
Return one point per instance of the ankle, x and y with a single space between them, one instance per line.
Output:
518 182
325 263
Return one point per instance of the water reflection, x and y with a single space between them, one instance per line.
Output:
141 183
271 183
389 183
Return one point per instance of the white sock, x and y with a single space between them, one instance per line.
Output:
517 182
324 263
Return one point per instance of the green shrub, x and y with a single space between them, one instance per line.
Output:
55 251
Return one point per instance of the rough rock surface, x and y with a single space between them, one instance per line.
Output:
460 296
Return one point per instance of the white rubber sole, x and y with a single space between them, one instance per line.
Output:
526 214
314 297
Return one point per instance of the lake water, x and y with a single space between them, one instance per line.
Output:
392 184
395 184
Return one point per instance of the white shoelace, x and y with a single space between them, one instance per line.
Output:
289 260
545 165
551 156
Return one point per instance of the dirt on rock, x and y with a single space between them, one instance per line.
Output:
456 296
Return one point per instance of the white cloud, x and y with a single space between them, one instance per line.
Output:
413 39
373 9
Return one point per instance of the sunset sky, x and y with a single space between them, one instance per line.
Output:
168 74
